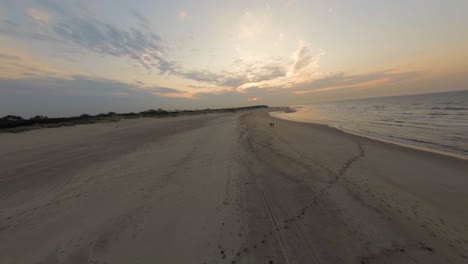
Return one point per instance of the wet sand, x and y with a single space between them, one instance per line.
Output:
226 188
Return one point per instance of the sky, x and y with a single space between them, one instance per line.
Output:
68 57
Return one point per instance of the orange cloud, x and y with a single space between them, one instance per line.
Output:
362 85
175 95
254 99
15 66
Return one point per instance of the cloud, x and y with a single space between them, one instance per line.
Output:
204 76
367 84
82 28
343 86
163 90
303 58
87 81
197 86
360 81
267 73
39 16
11 28
227 98
92 34
25 67
142 20
80 94
240 73
9 57
79 26
302 69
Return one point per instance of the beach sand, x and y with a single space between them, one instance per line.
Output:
226 188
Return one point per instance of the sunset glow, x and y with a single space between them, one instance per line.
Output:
203 54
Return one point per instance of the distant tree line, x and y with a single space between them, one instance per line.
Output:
11 121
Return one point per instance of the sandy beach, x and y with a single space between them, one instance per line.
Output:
226 188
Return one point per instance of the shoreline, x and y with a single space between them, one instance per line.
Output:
415 147
407 200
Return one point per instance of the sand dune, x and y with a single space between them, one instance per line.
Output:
226 188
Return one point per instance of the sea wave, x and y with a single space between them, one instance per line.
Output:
436 122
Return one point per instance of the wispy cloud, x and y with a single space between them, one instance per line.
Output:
9 57
303 57
163 90
361 85
270 72
306 64
302 69
167 92
138 44
13 66
240 73
83 29
142 20
360 81
12 28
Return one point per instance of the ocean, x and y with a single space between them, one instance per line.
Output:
437 121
